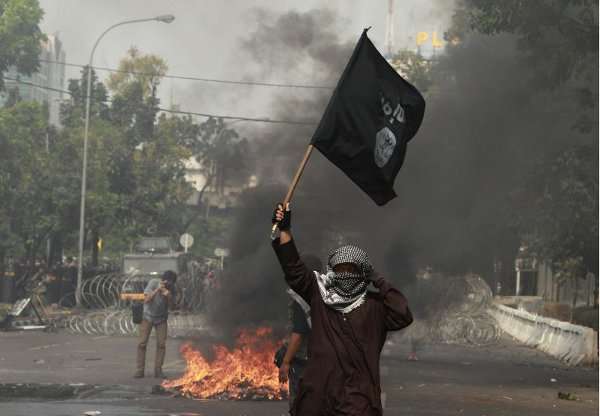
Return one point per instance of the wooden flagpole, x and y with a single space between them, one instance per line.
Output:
292 187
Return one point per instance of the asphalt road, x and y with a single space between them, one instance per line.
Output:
504 379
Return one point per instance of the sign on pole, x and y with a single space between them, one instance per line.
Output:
186 240
221 253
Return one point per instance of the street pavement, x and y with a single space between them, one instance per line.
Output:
503 379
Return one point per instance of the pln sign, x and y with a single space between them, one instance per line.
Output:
426 37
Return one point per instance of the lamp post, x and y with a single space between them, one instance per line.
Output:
167 18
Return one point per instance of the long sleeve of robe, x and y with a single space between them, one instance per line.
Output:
342 374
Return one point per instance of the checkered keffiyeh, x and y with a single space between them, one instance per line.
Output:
345 291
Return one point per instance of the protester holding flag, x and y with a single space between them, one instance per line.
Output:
349 327
369 120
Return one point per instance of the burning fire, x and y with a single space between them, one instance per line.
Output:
245 372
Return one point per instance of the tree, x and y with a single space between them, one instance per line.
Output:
136 167
72 112
137 68
556 206
20 36
415 68
135 177
222 156
558 209
28 211
558 39
134 90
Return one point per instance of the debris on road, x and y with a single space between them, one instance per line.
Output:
567 396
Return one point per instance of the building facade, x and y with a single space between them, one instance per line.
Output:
44 86
221 192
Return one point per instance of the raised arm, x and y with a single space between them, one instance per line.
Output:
297 276
395 312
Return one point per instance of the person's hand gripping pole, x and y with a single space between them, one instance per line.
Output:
282 219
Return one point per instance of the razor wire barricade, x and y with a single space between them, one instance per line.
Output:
119 322
460 314
104 291
108 313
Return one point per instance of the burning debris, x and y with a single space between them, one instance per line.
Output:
245 372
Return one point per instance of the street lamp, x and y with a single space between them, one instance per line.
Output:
166 18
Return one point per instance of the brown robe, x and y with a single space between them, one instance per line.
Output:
342 374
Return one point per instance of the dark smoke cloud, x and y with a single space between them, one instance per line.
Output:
484 126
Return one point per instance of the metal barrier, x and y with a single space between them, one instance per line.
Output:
570 343
118 322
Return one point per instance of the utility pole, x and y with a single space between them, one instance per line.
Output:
389 30
167 18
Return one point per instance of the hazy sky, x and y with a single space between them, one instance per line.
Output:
205 39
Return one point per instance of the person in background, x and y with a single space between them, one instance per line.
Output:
296 355
159 295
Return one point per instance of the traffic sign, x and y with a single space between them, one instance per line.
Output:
221 252
186 240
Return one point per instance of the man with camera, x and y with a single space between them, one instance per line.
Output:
158 296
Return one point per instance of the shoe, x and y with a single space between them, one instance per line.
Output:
159 374
138 374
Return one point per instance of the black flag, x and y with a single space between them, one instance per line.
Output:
370 118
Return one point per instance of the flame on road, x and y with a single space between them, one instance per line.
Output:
244 372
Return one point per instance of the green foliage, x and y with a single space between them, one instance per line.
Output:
209 234
73 111
28 212
138 69
220 151
558 208
558 39
20 36
136 174
136 171
556 205
135 102
415 68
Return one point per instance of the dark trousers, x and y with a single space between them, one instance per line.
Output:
161 344
297 367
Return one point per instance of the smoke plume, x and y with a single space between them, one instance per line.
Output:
484 125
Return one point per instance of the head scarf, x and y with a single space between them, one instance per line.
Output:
345 291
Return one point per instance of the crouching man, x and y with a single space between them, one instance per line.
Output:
158 296
349 327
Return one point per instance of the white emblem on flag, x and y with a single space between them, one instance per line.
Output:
385 143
